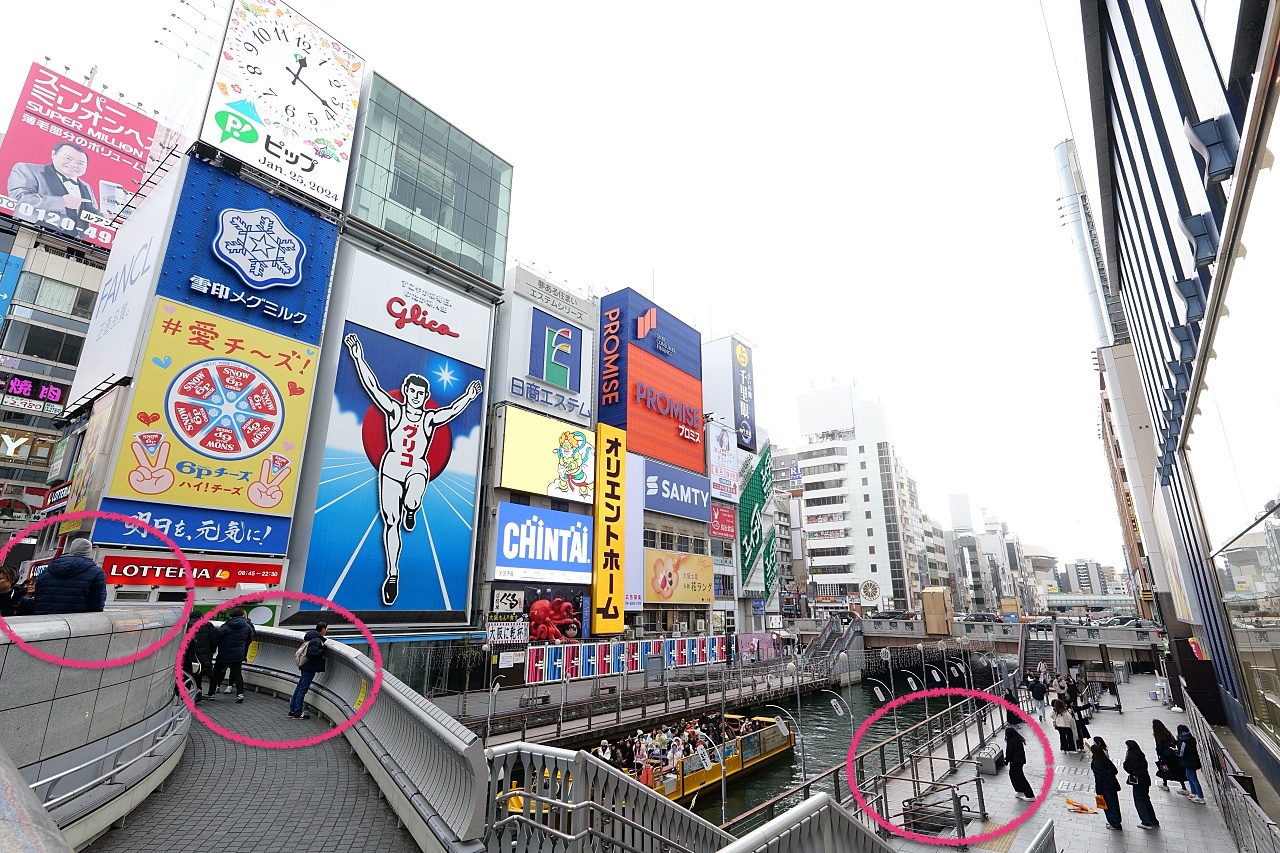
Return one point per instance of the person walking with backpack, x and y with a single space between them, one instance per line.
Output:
1168 767
1189 756
234 638
310 659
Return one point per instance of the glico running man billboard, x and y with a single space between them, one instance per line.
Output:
395 513
73 158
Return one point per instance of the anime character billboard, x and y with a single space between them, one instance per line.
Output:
395 512
544 456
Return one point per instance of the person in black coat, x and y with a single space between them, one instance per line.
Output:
72 583
1036 686
1015 753
200 651
234 638
1168 767
13 598
313 663
1135 764
1106 781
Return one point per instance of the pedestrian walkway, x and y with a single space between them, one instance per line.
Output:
225 797
1185 827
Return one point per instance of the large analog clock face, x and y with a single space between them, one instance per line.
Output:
294 78
284 99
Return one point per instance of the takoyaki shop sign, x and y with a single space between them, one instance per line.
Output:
542 545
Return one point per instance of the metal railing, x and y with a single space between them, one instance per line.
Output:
936 806
437 763
147 744
1044 842
541 797
1251 828
818 825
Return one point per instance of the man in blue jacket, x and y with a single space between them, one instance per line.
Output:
234 638
313 663
72 583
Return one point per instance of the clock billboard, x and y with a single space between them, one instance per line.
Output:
284 100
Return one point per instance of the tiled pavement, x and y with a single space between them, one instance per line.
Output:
225 797
1185 827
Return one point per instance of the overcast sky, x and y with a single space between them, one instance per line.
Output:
866 191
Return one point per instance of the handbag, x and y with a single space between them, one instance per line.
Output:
195 667
1101 801
1132 780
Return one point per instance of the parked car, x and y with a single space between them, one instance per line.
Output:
899 615
983 617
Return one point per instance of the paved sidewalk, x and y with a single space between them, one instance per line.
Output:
225 797
1185 827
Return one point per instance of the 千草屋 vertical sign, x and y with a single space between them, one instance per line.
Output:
611 487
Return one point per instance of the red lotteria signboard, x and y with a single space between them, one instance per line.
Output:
724 522
161 570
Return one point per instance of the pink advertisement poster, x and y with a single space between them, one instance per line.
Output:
72 157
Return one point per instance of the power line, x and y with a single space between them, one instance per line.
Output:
1057 71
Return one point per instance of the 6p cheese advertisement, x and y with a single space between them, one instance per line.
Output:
218 416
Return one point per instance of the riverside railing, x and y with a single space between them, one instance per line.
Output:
1252 829
818 825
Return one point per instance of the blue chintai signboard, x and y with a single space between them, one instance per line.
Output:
542 545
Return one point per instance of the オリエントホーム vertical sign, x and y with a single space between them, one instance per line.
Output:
608 582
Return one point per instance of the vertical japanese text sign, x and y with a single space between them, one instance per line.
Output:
611 486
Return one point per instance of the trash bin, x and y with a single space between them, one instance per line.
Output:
1122 672
989 759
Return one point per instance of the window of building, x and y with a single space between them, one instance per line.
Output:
874 569
871 531
668 540
700 545
55 295
519 499
862 448
868 513
650 538
865 481
866 498
682 544
871 549
722 548
39 342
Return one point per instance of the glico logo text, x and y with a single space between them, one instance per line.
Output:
664 404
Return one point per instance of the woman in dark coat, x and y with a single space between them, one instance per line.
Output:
201 650
1106 782
234 638
1015 752
1135 764
1189 757
1168 767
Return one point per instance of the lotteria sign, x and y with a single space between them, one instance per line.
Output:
542 545
674 492
136 569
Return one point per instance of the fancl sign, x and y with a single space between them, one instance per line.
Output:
542 545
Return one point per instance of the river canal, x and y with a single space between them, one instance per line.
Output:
827 738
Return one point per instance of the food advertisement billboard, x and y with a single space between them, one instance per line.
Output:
543 456
675 578
536 544
218 415
72 157
284 99
393 524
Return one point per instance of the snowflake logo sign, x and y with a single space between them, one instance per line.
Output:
258 246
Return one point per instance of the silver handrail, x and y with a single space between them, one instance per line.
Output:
1044 842
179 715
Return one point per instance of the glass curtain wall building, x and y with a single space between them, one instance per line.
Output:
1182 123
423 180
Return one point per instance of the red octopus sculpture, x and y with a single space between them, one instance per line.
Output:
553 621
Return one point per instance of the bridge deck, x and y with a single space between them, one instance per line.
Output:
226 797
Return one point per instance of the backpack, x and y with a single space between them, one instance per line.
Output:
300 656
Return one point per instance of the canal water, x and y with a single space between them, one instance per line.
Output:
826 737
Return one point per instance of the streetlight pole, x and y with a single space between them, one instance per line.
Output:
887 657
493 694
564 693
796 670
924 679
723 744
804 764
836 704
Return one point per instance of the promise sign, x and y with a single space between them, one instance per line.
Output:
610 546
751 507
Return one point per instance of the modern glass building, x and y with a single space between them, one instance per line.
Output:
1183 99
423 180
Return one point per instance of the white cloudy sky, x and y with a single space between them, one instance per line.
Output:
864 190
